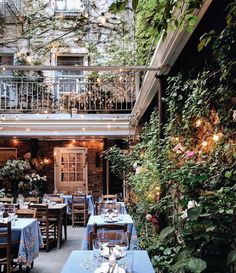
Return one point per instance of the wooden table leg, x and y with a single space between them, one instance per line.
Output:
59 228
65 223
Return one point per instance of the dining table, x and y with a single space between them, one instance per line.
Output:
26 236
82 261
99 220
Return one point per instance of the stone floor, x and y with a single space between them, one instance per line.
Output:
53 261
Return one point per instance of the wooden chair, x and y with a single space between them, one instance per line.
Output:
7 255
8 200
26 213
34 200
16 206
57 200
111 232
110 197
47 226
79 209
98 207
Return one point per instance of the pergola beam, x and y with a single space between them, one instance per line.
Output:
77 68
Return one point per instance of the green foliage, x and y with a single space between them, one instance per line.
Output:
154 18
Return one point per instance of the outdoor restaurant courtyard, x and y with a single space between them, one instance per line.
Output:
117 136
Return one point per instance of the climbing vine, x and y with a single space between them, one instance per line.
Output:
186 181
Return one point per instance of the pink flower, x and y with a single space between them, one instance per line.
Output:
178 147
148 217
189 154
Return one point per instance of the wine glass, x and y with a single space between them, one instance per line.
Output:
102 238
11 212
2 209
122 242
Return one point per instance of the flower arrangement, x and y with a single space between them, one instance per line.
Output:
21 177
14 170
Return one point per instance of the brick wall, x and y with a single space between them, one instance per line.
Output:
43 149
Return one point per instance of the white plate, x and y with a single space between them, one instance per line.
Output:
113 220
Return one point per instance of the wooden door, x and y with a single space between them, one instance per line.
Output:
71 169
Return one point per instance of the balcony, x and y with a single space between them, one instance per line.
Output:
67 94
10 8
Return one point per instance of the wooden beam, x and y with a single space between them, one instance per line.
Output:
77 68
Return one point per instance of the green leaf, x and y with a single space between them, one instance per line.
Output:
178 265
135 4
118 6
228 174
196 265
165 232
194 213
231 257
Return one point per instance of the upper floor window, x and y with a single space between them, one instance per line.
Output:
70 61
68 5
7 59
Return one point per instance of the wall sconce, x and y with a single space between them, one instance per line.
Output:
46 161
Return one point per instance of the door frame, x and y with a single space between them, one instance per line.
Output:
56 150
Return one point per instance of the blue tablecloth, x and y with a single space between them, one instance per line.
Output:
83 262
26 235
100 221
68 200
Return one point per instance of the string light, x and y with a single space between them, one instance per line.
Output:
216 137
103 18
198 122
3 68
204 143
28 58
27 129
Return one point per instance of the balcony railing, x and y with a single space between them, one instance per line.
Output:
40 95
10 7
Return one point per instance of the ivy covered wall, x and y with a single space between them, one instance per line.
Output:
182 187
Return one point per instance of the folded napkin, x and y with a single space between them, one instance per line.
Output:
105 267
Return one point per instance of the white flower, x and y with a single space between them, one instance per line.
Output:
184 214
148 217
135 165
192 204
138 170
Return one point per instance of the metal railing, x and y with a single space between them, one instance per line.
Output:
10 7
40 95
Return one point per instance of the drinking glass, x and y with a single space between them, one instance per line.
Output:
122 242
2 209
102 237
11 212
128 261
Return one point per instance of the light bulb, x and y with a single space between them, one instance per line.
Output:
216 137
204 143
103 18
98 80
198 122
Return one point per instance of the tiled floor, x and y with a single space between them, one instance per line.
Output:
53 261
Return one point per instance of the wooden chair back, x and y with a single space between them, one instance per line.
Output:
16 206
26 213
110 227
108 197
34 200
111 236
8 200
98 207
103 205
5 246
57 200
79 207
